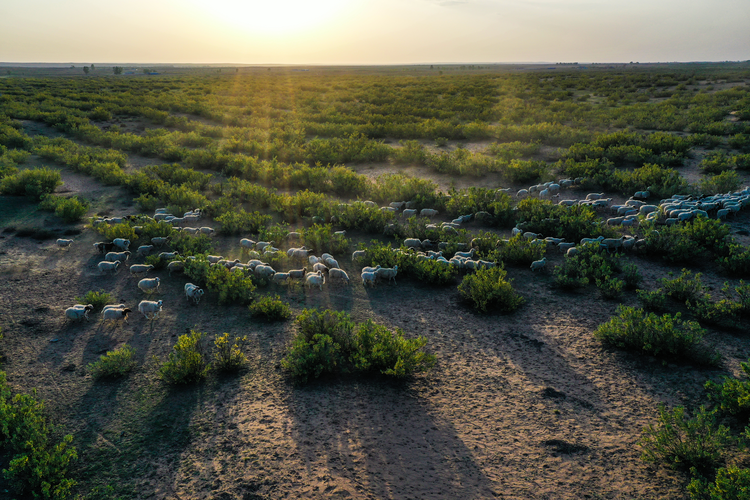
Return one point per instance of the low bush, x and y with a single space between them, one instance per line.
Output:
690 241
270 308
666 335
590 265
683 442
516 251
113 364
725 182
488 289
235 288
652 301
732 396
329 342
524 171
97 299
322 239
631 276
684 287
228 356
241 222
737 260
187 362
731 483
33 183
610 288
68 209
39 462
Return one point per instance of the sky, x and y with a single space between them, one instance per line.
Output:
368 32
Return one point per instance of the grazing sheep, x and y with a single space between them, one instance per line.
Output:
368 277
468 255
78 312
320 267
149 285
280 278
388 273
207 230
338 275
331 263
117 256
312 259
213 259
264 271
428 212
531 236
370 204
104 247
144 250
409 212
114 314
643 195
176 266
298 253
168 255
148 307
247 243
398 205
137 269
538 265
297 273
573 251
63 243
121 243
315 279
591 240
522 193
261 245
193 292
159 241
190 230
359 254
594 196
105 266
370 269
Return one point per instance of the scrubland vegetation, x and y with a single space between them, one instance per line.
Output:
269 154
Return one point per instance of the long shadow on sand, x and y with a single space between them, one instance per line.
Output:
375 437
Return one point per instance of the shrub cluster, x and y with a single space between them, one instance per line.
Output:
33 183
68 209
113 364
234 288
666 335
488 289
39 462
330 342
270 308
97 299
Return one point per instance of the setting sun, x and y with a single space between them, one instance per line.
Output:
280 17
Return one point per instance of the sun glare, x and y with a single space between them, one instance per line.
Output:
275 17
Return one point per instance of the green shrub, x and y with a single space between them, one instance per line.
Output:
632 276
228 356
725 182
186 362
610 288
233 288
312 358
186 244
241 222
590 265
731 483
652 301
732 396
322 239
270 308
38 462
523 171
33 183
378 349
409 152
68 209
690 241
489 289
114 364
97 299
684 287
517 251
329 342
683 442
665 335
737 262
716 163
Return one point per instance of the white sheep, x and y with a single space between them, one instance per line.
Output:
522 193
168 255
428 212
190 230
246 243
193 292
368 277
538 265
148 307
105 266
264 271
115 313
78 312
409 212
370 269
280 278
359 254
594 196
573 251
159 241
176 266
207 230
297 273
315 279
149 285
121 243
320 267
338 275
387 273
137 269
117 256
261 245
331 263
144 250
64 243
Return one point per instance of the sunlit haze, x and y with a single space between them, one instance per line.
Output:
372 32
